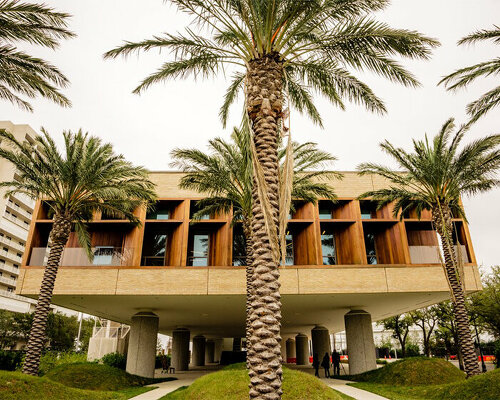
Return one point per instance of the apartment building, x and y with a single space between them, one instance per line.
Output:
347 264
15 218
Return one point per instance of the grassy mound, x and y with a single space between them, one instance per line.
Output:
17 386
93 376
413 371
483 387
232 383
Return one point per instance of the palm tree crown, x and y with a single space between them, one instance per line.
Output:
20 73
461 78
437 172
86 178
316 41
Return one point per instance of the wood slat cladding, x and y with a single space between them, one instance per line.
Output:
349 221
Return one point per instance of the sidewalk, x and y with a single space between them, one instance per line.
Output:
358 394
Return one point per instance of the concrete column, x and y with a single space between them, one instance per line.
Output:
142 344
236 344
320 341
199 351
219 345
227 344
290 349
360 345
209 352
302 349
180 349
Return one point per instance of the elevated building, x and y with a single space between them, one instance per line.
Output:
347 264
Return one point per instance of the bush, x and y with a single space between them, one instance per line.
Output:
10 360
116 360
159 359
53 359
412 350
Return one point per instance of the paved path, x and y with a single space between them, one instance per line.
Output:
358 394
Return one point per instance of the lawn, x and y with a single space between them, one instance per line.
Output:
232 383
18 386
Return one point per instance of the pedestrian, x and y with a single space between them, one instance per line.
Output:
336 362
316 364
325 363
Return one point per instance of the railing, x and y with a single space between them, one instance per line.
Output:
77 257
11 243
8 281
8 268
12 295
430 254
153 261
20 210
110 332
10 256
16 220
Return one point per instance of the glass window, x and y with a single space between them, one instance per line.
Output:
328 249
289 250
194 209
159 213
155 249
10 290
198 254
368 210
103 255
239 247
325 210
371 249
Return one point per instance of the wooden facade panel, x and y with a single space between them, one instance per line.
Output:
342 280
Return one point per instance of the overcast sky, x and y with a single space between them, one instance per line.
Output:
185 113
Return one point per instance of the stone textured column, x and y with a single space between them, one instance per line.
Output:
360 345
209 352
290 349
142 344
199 351
302 349
180 349
320 341
219 345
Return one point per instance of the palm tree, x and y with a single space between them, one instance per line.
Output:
461 78
225 175
20 73
87 177
283 51
433 177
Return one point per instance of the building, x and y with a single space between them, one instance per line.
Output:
15 217
348 264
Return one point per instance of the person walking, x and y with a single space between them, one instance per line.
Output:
316 364
336 362
325 363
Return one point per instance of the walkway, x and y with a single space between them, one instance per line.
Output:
358 394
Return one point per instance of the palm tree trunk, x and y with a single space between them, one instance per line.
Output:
247 230
58 238
264 107
442 219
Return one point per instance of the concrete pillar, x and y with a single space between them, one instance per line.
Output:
360 345
180 349
227 344
219 345
199 351
320 341
290 349
209 352
236 344
302 349
142 344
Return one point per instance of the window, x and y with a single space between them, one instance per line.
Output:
2 261
19 255
325 211
15 265
239 246
13 277
159 213
8 238
289 249
155 250
328 248
10 290
194 209
1 273
368 209
6 249
1 234
371 249
103 255
199 245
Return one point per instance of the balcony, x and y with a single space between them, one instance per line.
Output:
9 269
77 257
11 243
430 254
10 256
8 281
19 210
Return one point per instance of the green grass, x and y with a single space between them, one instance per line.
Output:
232 383
483 387
17 386
412 372
92 376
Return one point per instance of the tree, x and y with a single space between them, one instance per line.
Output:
461 78
284 50
86 178
225 176
400 326
426 320
486 303
434 177
447 329
20 73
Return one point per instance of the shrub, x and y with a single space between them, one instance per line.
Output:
52 359
10 360
159 359
116 360
412 350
